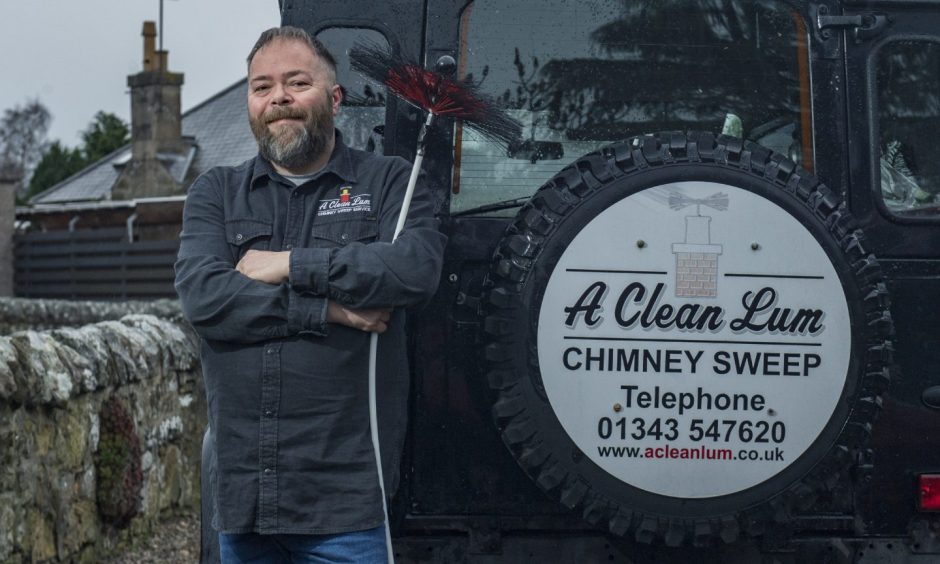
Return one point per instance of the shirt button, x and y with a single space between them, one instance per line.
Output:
239 237
268 413
344 237
270 351
288 246
267 470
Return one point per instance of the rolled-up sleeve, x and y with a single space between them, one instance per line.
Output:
222 303
383 273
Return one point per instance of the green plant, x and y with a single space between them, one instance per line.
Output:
117 464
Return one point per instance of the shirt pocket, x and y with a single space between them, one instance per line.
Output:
343 232
245 234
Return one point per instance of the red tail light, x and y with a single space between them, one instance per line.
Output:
928 486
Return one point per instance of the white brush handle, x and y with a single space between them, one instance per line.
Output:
409 192
374 426
374 341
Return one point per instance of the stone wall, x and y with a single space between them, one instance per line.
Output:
18 314
78 480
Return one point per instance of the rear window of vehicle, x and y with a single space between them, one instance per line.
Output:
908 89
580 75
362 119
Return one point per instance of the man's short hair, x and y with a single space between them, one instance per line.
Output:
295 34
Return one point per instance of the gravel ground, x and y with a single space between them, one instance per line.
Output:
176 541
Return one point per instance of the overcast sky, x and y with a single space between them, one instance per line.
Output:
75 55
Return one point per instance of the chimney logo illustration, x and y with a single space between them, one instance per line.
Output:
344 195
697 256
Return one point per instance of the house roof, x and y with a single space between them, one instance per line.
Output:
216 132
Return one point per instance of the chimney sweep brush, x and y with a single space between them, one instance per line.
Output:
440 96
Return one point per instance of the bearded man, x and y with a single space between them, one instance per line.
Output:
285 267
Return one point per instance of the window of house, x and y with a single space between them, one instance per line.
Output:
908 86
583 74
361 119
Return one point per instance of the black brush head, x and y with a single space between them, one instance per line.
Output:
435 92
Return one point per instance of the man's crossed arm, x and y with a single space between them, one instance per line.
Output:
273 267
271 295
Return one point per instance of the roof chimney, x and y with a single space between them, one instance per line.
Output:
156 126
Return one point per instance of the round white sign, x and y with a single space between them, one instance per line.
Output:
694 339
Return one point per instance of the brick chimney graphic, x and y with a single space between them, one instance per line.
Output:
697 256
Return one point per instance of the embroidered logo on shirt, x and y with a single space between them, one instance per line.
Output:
346 203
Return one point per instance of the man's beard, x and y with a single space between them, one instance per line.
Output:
291 145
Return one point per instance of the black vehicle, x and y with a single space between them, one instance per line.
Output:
692 315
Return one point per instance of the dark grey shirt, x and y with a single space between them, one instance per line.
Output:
287 391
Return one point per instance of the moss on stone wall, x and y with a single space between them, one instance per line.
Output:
117 465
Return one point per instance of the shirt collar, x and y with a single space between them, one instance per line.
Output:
340 164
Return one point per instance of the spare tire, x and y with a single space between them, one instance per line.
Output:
687 337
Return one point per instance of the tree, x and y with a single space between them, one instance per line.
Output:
23 132
57 163
106 133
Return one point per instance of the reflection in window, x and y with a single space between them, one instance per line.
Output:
362 116
909 119
580 75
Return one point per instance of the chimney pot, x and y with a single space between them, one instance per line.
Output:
161 60
150 46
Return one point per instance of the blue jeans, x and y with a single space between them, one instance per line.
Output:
359 547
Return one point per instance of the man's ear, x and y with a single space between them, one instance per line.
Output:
336 95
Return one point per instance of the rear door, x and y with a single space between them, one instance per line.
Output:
893 71
579 76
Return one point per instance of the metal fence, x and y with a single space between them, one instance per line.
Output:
95 264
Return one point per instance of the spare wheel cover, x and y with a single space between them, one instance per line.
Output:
687 336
